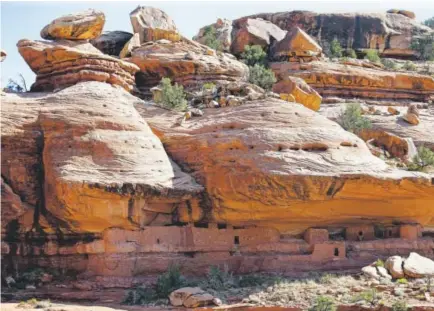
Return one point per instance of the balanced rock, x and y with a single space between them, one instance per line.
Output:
223 34
412 115
296 89
417 266
112 42
3 55
394 265
153 24
79 26
134 42
254 32
409 14
190 297
63 63
296 43
184 62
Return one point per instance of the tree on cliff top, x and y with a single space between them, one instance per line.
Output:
210 38
424 45
429 22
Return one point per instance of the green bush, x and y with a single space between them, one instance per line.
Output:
372 55
352 120
173 96
370 296
379 263
429 22
219 279
262 77
389 64
168 282
254 54
402 281
323 303
335 48
423 159
400 306
208 86
140 296
424 45
250 280
350 53
210 38
409 65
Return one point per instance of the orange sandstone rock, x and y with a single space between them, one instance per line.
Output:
300 91
64 63
79 26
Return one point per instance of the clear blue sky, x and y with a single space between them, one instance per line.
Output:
21 20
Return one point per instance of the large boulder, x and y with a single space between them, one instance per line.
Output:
112 42
295 43
254 32
300 92
153 24
222 29
63 63
409 14
97 163
12 206
417 266
394 265
389 33
78 26
271 163
190 297
185 62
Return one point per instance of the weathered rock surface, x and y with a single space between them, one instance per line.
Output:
302 169
299 91
190 297
79 26
134 42
394 265
417 266
101 164
153 24
390 33
333 79
111 42
12 206
185 62
223 31
254 32
64 63
371 272
409 14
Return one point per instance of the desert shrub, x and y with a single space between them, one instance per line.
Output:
400 306
423 159
429 22
424 45
370 296
402 281
323 303
210 38
352 120
326 278
379 263
409 65
15 86
169 281
372 55
173 96
208 86
249 280
219 279
254 54
262 76
335 48
389 64
350 53
140 296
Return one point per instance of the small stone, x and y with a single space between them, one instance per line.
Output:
195 112
383 272
187 115
30 287
46 278
370 272
399 292
213 104
269 289
393 111
217 301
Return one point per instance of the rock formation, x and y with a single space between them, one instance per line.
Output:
63 63
153 24
185 62
111 42
3 55
412 115
296 90
79 26
223 33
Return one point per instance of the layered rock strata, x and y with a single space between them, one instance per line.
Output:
63 63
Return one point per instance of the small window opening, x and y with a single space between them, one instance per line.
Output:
237 240
336 251
390 232
158 241
221 226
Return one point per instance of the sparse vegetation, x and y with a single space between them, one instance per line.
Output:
262 76
370 296
208 86
352 119
389 64
15 86
400 306
140 296
210 38
323 303
379 263
402 281
429 22
220 279
350 53
253 55
424 45
423 159
335 48
173 96
372 56
34 303
326 278
409 65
